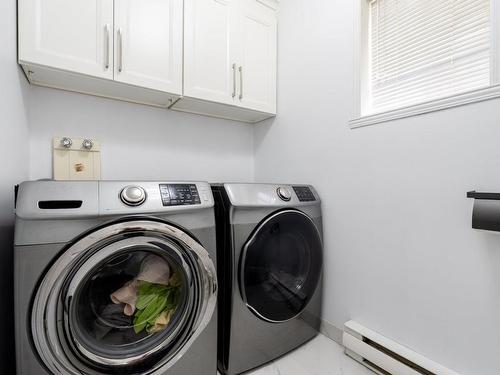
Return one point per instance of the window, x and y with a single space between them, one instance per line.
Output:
416 56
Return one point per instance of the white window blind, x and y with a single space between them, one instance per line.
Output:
422 50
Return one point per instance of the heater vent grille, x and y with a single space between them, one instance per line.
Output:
397 357
385 356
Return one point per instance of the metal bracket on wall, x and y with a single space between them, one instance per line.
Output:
486 211
489 196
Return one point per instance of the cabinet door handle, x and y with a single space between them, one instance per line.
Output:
120 50
106 46
234 80
241 82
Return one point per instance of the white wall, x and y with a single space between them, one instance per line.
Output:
139 142
401 257
14 149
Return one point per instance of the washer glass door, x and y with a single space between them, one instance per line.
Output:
130 297
127 299
281 266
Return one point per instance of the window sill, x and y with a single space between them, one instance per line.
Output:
476 96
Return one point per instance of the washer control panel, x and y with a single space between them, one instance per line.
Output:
304 193
179 194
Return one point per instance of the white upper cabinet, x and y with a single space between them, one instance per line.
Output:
209 49
230 56
258 54
121 49
148 44
210 57
73 35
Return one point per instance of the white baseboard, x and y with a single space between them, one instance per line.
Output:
332 332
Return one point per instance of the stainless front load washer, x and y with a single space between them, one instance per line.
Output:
115 278
270 257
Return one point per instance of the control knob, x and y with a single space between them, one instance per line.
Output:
284 194
133 195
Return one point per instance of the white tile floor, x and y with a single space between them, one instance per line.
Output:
320 356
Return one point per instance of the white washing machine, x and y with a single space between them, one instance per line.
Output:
115 277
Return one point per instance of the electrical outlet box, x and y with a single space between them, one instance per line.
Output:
76 159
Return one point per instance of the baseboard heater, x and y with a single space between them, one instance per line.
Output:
384 356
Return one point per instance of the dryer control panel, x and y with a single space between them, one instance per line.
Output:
271 195
304 193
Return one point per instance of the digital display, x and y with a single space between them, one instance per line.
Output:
179 194
304 194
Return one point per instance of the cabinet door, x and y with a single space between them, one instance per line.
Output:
257 66
148 44
209 46
73 35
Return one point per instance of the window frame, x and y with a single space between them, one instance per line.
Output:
361 75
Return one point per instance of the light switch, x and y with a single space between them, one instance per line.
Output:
76 159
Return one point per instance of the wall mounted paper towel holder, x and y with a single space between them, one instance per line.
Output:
486 211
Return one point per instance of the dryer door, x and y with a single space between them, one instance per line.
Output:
130 298
281 265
